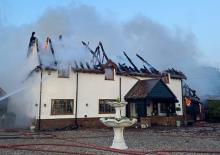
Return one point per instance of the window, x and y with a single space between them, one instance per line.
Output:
62 106
109 74
104 107
63 73
165 78
163 108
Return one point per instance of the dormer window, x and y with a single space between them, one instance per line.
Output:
165 78
109 69
63 73
109 73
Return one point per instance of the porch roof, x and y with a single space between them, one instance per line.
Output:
150 89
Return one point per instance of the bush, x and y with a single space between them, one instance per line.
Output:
214 111
178 109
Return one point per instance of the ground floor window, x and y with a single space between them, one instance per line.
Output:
105 108
163 108
62 106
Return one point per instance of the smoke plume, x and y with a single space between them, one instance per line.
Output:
162 47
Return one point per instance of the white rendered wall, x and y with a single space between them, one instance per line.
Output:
93 87
176 87
56 88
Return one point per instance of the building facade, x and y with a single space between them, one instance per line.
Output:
80 97
78 94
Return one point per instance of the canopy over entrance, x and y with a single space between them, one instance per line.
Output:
153 89
150 98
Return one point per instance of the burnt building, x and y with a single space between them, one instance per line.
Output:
79 93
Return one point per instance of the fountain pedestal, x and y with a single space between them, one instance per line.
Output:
118 123
118 141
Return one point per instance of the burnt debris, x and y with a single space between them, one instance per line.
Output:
151 68
98 61
176 74
33 40
190 93
49 45
103 51
134 69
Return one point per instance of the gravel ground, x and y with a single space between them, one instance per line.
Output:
97 141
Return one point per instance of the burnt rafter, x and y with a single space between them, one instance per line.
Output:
81 65
95 59
87 46
176 74
189 92
123 67
49 42
152 69
135 68
87 65
99 55
103 51
76 65
33 40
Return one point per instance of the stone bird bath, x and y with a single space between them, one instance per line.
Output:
118 123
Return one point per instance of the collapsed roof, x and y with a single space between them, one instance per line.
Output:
99 58
190 93
175 74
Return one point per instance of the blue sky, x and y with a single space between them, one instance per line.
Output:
198 16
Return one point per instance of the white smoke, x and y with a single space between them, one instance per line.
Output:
161 46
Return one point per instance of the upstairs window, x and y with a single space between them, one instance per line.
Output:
105 108
62 106
165 78
109 74
63 73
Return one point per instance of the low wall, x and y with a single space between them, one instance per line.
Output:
160 120
62 123
95 122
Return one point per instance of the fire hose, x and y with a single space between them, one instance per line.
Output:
92 146
17 147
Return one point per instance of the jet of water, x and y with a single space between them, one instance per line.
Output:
12 93
19 90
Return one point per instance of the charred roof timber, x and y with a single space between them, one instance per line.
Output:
95 59
87 65
32 41
190 93
99 59
176 74
49 43
152 69
134 67
99 56
81 65
103 51
123 67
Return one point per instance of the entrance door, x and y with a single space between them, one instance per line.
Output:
155 109
141 109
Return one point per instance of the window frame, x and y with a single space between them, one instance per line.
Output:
163 108
112 69
66 103
112 109
165 78
65 71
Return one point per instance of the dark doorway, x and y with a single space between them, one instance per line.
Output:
141 109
